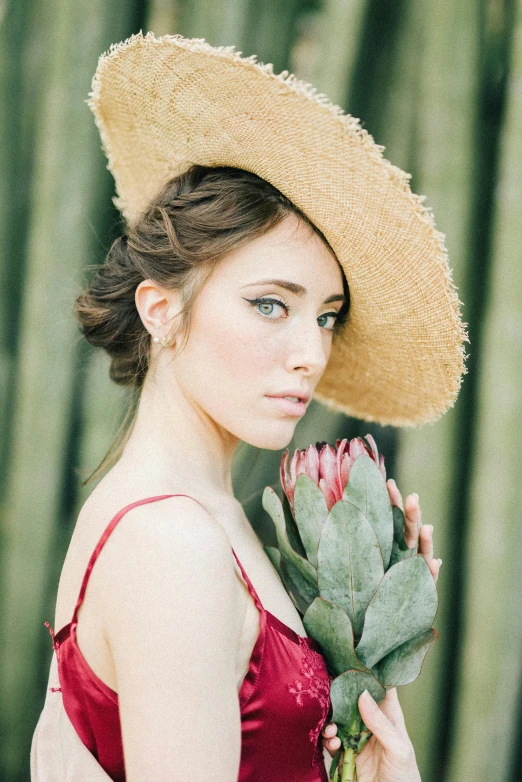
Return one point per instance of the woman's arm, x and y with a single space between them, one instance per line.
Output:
172 626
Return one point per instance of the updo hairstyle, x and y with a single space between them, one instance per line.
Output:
197 218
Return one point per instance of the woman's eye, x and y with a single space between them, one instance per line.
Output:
332 315
265 307
268 305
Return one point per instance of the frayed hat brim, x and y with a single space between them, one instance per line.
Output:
163 104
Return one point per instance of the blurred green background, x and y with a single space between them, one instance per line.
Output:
439 83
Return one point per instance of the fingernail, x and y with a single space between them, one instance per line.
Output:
367 697
416 496
428 526
440 562
329 730
391 480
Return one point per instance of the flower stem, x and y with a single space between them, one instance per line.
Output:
349 773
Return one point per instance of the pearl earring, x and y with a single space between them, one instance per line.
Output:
164 341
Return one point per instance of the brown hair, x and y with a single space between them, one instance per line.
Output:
198 217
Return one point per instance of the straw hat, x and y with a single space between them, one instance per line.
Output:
163 104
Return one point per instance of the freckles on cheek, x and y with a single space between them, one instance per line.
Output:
249 355
224 344
258 356
242 350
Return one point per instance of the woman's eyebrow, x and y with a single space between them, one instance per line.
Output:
295 288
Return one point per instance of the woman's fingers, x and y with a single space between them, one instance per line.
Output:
395 495
377 721
426 549
412 520
386 722
415 532
434 567
411 510
330 740
391 707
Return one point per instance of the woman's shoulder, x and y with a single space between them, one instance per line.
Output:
140 504
153 525
161 530
175 528
135 571
171 569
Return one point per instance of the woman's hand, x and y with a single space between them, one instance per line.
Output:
390 747
388 756
414 530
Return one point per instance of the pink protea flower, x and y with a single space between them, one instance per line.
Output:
330 469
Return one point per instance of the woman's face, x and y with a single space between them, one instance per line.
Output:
250 339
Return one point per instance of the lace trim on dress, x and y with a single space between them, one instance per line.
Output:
316 687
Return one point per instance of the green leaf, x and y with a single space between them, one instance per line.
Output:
345 691
274 555
404 605
292 532
335 763
311 512
300 571
400 550
398 527
366 488
332 629
291 586
403 665
350 564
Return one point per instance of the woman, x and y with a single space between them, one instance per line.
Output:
174 665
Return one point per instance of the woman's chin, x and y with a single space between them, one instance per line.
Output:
273 436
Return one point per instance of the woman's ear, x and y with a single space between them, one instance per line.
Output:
157 306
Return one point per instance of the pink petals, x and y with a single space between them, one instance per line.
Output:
327 467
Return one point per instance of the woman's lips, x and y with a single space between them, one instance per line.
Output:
292 408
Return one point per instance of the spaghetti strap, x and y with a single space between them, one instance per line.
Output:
112 524
250 585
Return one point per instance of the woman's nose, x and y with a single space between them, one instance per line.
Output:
308 348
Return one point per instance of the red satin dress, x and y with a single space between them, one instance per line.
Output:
284 697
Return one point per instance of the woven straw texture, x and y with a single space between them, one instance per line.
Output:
163 104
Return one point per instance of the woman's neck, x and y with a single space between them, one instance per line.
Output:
179 442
